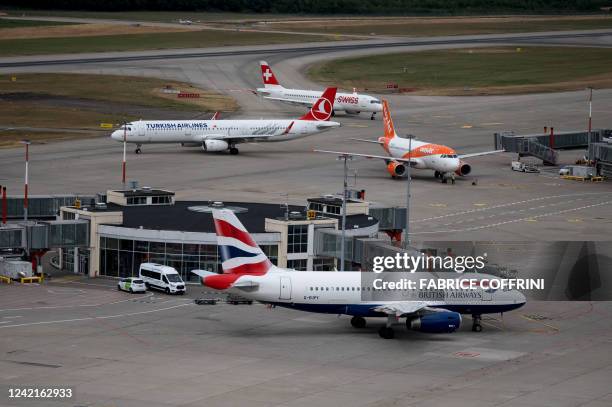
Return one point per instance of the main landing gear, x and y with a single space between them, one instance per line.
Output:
476 326
233 151
138 150
358 322
386 332
373 116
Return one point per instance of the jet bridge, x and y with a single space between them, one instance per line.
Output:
45 235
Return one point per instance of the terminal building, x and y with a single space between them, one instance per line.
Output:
130 227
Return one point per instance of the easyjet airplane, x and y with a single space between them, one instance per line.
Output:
248 272
421 155
222 135
351 103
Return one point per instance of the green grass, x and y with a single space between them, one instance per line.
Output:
133 90
496 70
7 23
158 16
452 27
137 42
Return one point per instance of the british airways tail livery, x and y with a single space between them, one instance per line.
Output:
247 271
351 103
223 135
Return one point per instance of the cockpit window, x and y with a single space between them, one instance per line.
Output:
124 128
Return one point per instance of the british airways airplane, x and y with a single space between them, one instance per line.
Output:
248 272
351 103
224 135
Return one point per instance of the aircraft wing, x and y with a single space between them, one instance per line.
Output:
380 157
296 102
480 153
366 141
406 308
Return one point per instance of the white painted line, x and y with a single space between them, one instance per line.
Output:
529 218
62 321
507 204
13 316
71 306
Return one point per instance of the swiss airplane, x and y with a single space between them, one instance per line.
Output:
351 103
221 135
247 271
421 155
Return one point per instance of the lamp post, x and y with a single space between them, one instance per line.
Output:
345 158
124 149
590 110
409 179
25 193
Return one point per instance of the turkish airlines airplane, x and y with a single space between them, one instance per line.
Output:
351 103
249 273
421 155
222 135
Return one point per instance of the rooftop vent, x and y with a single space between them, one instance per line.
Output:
295 215
146 188
217 204
101 205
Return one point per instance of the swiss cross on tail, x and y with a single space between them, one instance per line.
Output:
323 108
269 79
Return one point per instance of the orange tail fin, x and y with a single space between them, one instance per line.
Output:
387 121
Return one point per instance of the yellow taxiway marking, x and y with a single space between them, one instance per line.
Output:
357 125
438 205
528 318
480 204
490 124
575 220
467 126
531 220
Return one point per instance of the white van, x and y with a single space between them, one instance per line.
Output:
161 277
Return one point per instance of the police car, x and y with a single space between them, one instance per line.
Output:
132 285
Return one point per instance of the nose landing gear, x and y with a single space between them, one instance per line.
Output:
373 116
138 150
476 325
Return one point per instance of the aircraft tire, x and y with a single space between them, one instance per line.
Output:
358 322
386 332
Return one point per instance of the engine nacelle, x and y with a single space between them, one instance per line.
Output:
396 169
436 322
353 111
463 169
215 145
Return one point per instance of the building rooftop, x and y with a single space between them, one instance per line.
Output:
144 192
194 216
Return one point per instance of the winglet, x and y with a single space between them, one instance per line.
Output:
288 129
323 108
267 75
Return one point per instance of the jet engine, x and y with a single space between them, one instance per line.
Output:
396 169
436 322
215 145
463 168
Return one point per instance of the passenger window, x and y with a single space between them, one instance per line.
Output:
311 289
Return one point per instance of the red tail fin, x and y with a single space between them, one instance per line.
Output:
323 108
267 75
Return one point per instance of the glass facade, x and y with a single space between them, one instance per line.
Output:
298 265
297 239
122 257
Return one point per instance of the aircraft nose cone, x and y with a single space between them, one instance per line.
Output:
115 135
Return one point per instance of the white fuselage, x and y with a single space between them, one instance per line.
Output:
353 293
424 155
344 102
198 131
